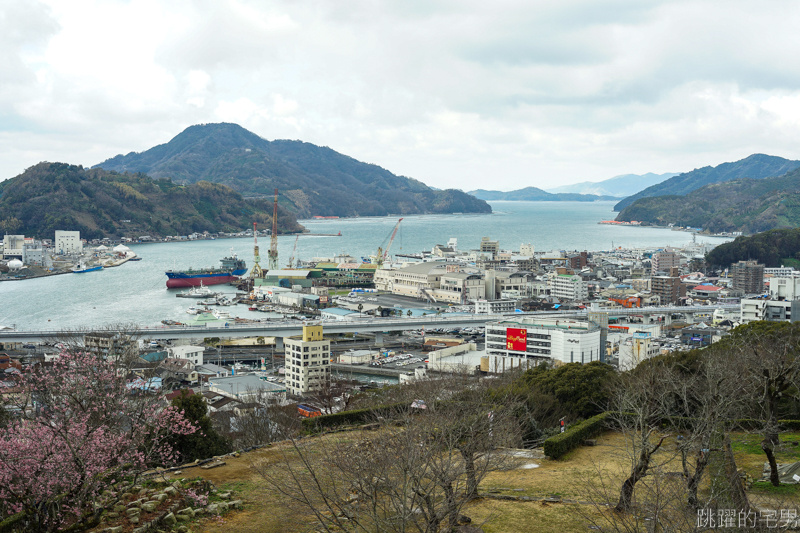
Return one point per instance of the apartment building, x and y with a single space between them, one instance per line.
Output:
191 353
569 287
748 276
664 261
488 307
490 246
753 309
669 289
307 361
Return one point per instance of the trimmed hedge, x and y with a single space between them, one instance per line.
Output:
557 446
349 418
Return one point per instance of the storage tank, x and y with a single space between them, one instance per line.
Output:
15 264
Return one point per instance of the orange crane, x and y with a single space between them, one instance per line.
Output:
273 241
381 256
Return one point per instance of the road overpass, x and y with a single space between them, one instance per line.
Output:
289 328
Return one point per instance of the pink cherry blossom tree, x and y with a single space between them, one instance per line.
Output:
85 431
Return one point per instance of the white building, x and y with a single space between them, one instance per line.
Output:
781 271
491 307
569 287
636 349
246 388
308 359
68 242
774 310
517 341
12 246
526 250
192 353
784 288
33 253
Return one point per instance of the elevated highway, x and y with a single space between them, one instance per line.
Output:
289 328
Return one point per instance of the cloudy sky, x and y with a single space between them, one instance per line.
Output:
457 93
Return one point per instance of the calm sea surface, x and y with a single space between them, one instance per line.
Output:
135 292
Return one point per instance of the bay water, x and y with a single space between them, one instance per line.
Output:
135 293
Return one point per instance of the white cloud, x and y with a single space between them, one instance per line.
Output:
466 94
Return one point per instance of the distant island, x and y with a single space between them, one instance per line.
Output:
746 205
756 166
101 203
618 186
533 194
312 180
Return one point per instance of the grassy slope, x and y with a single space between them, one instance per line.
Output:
570 478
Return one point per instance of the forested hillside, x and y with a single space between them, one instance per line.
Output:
772 248
747 205
101 203
312 180
756 166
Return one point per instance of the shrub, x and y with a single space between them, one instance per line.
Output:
347 418
557 446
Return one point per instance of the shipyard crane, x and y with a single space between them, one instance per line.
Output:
273 241
381 256
291 259
256 272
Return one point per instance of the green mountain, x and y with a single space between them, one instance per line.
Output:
772 248
101 203
312 180
756 166
747 205
532 194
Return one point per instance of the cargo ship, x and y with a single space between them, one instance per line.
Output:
230 268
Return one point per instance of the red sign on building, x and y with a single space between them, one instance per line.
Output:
517 339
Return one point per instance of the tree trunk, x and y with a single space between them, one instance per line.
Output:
450 506
637 473
694 480
469 469
767 446
772 420
738 494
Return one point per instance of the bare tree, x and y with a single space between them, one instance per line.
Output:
415 473
640 403
261 421
709 397
766 353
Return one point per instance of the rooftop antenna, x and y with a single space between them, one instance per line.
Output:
256 272
273 242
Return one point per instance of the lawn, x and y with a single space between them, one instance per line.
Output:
575 479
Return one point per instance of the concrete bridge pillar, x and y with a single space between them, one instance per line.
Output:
279 344
667 319
378 338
